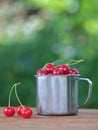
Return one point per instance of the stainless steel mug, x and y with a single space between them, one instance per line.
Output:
58 94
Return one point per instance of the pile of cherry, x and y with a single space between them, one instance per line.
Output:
62 69
23 111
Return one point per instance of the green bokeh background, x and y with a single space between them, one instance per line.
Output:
36 32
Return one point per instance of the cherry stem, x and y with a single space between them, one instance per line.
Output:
17 96
10 93
74 62
71 62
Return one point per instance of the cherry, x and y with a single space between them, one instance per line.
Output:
57 71
74 71
26 112
62 69
41 72
9 111
65 68
19 109
49 67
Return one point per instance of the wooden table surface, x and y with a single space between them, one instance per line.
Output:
86 119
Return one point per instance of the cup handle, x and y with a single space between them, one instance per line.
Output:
89 91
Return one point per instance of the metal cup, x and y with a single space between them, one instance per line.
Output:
58 94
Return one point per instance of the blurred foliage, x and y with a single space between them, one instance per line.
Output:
34 32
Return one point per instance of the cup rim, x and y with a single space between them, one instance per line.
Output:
50 75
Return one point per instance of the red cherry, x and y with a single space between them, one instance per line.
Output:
27 112
74 71
41 72
65 68
19 110
57 71
9 111
49 68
